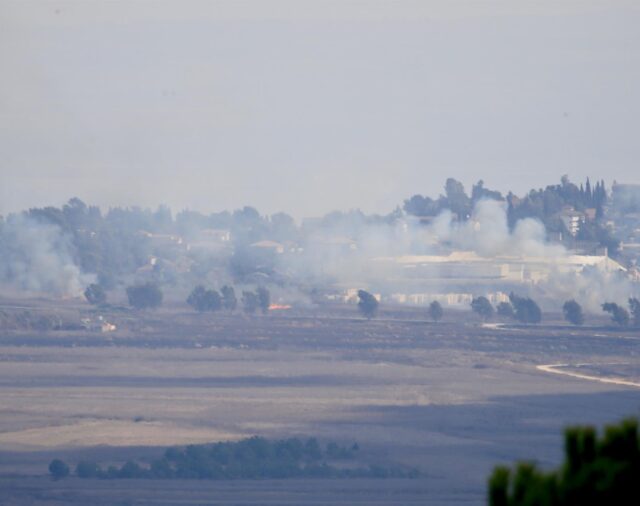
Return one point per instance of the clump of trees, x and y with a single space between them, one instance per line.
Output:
621 316
229 300
618 313
573 312
597 469
482 307
251 458
203 300
95 294
526 310
258 300
367 304
505 310
435 311
58 469
144 296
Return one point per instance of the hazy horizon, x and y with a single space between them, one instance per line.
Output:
306 107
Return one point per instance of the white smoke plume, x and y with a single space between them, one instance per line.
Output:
487 233
36 257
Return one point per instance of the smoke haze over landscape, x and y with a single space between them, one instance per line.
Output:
306 107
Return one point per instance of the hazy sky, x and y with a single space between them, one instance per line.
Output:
309 106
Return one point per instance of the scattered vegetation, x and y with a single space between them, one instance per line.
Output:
596 470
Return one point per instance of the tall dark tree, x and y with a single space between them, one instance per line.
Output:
618 314
203 300
526 309
264 299
250 302
435 311
58 469
573 312
229 300
482 307
95 294
505 310
634 306
144 296
457 199
368 304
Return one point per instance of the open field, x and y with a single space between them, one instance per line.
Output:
452 398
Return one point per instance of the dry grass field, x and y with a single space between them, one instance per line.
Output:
452 398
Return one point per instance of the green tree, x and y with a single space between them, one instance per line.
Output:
368 304
573 312
264 299
505 310
435 311
526 310
482 307
144 296
596 471
229 300
618 314
203 300
634 306
95 294
86 469
58 469
250 302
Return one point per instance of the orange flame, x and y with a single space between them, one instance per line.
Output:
279 306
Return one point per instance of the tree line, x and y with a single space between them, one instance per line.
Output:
522 309
251 458
149 296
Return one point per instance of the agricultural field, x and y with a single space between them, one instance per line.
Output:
452 399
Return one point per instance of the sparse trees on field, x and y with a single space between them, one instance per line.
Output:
147 295
435 311
526 309
482 307
58 469
505 310
573 312
203 300
229 300
368 304
618 314
95 294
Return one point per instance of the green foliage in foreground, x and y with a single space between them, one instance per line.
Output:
253 458
597 470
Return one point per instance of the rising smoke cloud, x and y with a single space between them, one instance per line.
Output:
36 258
